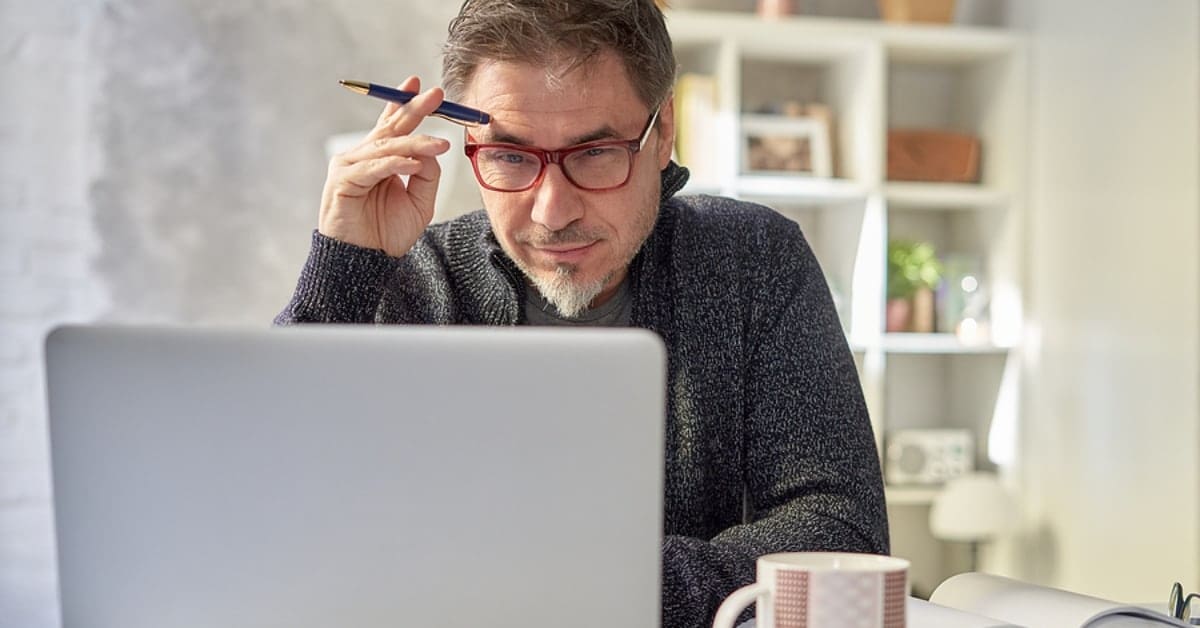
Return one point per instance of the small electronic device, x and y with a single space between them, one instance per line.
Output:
928 456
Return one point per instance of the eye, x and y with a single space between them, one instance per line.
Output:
511 158
599 151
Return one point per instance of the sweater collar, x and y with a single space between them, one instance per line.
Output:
674 177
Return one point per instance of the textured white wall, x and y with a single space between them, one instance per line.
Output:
46 238
1111 430
162 161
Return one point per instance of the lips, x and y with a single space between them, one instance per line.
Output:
566 253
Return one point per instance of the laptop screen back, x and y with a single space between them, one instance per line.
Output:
322 476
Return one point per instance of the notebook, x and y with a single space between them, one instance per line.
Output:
356 476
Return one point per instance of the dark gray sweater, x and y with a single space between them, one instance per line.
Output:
768 443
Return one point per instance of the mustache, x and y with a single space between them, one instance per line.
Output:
571 234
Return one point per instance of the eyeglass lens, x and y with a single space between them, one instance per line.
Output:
596 167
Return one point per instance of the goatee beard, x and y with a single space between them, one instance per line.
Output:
562 290
571 298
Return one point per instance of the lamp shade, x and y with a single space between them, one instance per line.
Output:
973 507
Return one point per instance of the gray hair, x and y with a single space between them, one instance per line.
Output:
561 35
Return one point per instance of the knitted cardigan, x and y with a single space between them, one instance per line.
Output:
768 444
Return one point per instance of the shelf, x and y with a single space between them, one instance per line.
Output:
785 190
911 195
873 76
910 495
936 344
798 190
955 45
792 36
701 188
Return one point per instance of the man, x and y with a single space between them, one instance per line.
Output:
769 447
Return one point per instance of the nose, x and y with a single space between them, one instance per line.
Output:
556 201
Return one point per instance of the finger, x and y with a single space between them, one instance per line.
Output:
358 179
423 184
405 146
410 84
406 119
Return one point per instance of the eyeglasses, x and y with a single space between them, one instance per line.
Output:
594 166
1179 605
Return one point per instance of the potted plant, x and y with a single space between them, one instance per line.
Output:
913 271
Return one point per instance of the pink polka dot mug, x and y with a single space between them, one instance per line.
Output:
823 590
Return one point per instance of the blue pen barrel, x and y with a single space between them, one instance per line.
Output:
466 114
449 110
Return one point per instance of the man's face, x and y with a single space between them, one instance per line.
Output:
574 245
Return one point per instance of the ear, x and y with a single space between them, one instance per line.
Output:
666 131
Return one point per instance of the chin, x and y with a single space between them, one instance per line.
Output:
571 295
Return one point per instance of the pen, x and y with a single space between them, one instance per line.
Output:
451 111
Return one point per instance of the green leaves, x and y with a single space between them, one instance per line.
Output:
911 265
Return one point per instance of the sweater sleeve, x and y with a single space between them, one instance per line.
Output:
810 469
340 283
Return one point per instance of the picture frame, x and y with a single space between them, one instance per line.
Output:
789 145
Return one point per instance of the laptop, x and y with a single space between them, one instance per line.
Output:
356 476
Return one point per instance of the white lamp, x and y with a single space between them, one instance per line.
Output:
972 508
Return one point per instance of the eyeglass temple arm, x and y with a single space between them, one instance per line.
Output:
1179 604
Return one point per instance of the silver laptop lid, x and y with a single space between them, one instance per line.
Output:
322 476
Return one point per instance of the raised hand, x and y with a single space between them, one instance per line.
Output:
365 202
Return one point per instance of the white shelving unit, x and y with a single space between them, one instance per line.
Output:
874 76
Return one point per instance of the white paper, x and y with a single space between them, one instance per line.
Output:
922 614
1035 606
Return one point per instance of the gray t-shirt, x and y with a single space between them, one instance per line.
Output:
614 313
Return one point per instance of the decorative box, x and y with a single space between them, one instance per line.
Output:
930 155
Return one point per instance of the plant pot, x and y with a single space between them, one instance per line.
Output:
775 8
915 314
898 315
922 312
932 11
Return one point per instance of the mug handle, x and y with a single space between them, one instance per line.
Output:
733 605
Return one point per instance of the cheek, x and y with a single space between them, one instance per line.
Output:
626 216
507 212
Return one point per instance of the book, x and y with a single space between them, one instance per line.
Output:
695 126
1006 602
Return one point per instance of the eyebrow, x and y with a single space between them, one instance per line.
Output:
603 133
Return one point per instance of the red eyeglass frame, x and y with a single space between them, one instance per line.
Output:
548 157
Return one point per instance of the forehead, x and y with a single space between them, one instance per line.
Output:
545 103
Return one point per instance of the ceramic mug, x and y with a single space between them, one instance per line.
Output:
822 590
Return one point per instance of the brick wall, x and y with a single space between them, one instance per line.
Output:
162 161
46 240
